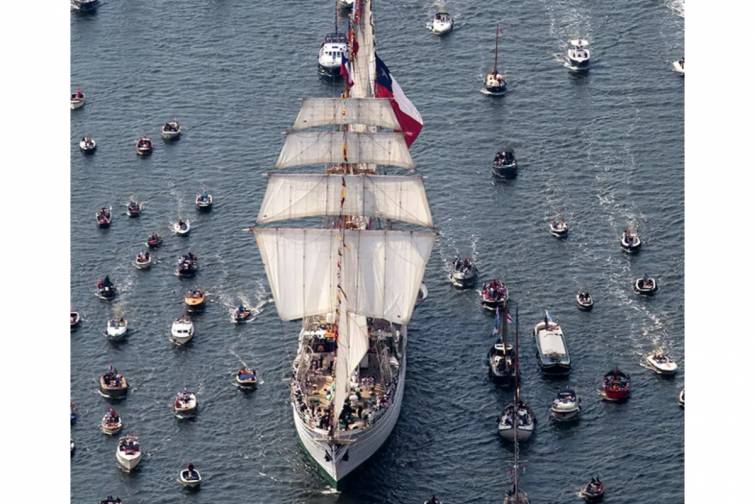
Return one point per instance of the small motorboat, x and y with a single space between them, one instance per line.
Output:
616 386
464 272
111 423
495 82
187 265
525 422
143 260
78 99
74 413
578 55
593 491
104 217
170 131
181 227
333 50
566 406
494 294
442 23
584 300
242 314
75 319
677 65
105 289
552 354
84 6
559 228
195 299
134 208
129 453
111 500
189 477
680 399
661 363
185 404
501 367
504 163
143 146
246 378
645 286
630 241
421 294
87 145
182 330
113 385
203 201
116 329
154 240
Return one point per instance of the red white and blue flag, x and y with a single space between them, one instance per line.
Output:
406 113
345 72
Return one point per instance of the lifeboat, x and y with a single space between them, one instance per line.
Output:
187 265
129 453
104 217
170 131
181 227
584 300
113 385
661 363
143 260
494 294
75 319
464 273
111 423
525 426
87 145
645 286
559 228
203 201
189 477
246 378
78 99
442 23
630 241
117 329
505 164
185 404
593 491
566 406
105 289
195 299
134 208
143 146
154 241
182 330
616 386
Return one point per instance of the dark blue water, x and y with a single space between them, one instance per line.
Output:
605 150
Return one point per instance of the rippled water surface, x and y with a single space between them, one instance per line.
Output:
605 150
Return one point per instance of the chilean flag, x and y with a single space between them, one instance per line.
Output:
345 73
406 113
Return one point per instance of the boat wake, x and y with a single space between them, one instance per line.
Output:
676 6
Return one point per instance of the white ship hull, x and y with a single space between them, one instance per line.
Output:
363 446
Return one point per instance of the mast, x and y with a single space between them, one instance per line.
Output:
495 61
516 369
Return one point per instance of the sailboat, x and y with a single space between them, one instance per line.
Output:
501 355
515 495
353 282
495 82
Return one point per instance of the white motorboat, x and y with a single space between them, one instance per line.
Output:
680 399
246 378
504 163
495 82
442 23
332 51
111 423
422 294
566 406
182 227
584 300
190 477
630 241
182 330
661 363
143 260
128 453
78 99
203 201
578 55
185 404
645 286
75 319
552 354
117 329
464 272
678 66
143 146
84 6
171 130
87 145
559 228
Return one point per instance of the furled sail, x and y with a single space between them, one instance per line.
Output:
381 270
331 147
337 111
295 196
353 342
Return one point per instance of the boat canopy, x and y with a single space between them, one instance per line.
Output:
579 43
303 148
295 196
338 111
380 273
551 341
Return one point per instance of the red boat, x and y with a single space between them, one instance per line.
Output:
616 386
103 217
494 294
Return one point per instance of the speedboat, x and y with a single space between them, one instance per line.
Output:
143 146
194 299
143 260
421 294
105 289
189 477
241 314
677 65
246 378
584 300
203 201
333 50
74 413
501 367
565 406
504 163
87 145
630 241
578 55
616 386
494 294
117 329
103 216
134 208
171 130
525 422
558 228
84 6
464 273
495 82
111 423
645 286
593 491
129 453
75 319
182 330
552 354
680 399
185 404
78 99
442 23
187 265
181 227
154 240
113 385
661 363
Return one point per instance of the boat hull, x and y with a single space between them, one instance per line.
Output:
506 171
128 462
615 395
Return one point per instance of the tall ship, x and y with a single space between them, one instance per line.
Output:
352 271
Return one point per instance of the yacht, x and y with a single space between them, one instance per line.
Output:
182 330
442 23
552 354
495 82
578 55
